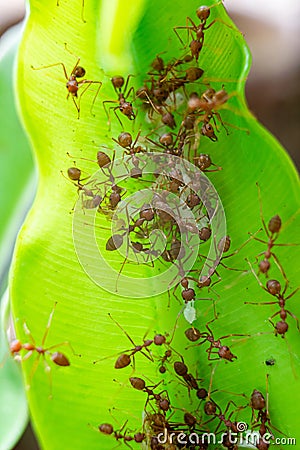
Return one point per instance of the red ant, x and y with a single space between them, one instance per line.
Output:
222 351
57 358
203 13
203 161
93 200
123 106
108 429
273 287
139 384
73 85
125 359
272 231
191 382
258 403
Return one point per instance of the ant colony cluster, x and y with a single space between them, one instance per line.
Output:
179 221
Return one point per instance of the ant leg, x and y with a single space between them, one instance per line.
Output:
27 331
177 34
210 352
259 240
76 106
82 12
27 356
115 112
126 85
106 112
261 211
209 329
53 65
257 279
48 325
281 271
33 369
234 334
258 303
89 83
294 317
48 371
60 345
223 22
293 293
71 53
121 328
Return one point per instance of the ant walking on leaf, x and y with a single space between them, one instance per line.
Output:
73 84
274 288
123 106
58 358
272 232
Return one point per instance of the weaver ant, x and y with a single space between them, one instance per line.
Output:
125 359
203 13
56 357
139 384
274 288
124 106
222 351
272 231
73 84
107 428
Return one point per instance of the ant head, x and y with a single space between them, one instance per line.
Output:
117 82
274 287
74 174
79 72
125 139
204 235
204 161
194 73
158 64
203 13
106 428
166 139
192 334
274 224
208 130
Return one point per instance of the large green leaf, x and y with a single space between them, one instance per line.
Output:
119 38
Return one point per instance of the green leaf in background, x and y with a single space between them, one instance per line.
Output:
17 185
16 182
119 38
13 402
